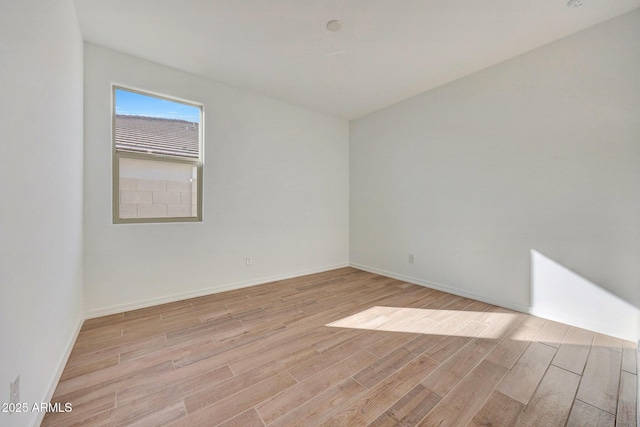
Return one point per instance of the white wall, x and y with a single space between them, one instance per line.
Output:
541 152
41 204
276 189
553 296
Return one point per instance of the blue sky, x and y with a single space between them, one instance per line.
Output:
136 104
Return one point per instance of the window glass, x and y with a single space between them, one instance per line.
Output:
157 159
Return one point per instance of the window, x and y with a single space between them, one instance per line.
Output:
157 158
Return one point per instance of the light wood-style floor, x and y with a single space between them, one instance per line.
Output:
330 349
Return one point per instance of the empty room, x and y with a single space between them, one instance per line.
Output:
319 213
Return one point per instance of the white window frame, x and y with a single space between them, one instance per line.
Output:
117 155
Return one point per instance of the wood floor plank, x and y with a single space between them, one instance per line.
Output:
163 346
340 337
293 354
82 410
214 330
574 350
92 366
511 348
390 342
627 412
405 299
248 418
523 379
451 344
87 346
409 410
170 351
552 401
320 361
460 405
215 392
383 367
301 329
306 390
552 333
453 319
223 353
283 315
376 401
182 382
146 407
536 322
103 350
112 378
422 343
454 369
443 302
206 313
422 298
144 327
322 406
267 355
98 335
584 415
601 378
432 299
157 310
462 305
499 327
606 341
81 420
163 416
253 333
237 403
99 322
478 306
462 319
498 411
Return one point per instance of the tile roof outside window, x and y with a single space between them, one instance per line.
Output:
155 135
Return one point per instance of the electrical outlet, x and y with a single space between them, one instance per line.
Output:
15 391
412 259
249 261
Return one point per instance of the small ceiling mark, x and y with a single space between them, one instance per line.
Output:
334 25
574 3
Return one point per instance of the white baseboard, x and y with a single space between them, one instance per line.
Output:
441 287
61 365
99 312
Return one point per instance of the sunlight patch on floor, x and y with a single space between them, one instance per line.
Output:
483 324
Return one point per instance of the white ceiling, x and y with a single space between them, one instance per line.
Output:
387 50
